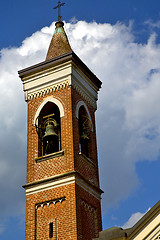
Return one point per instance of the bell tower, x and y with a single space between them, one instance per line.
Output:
63 197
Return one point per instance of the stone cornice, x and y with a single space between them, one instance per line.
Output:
58 60
59 73
61 180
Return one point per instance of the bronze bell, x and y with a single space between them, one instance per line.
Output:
49 131
50 140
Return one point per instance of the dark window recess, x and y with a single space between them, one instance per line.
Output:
49 130
85 126
51 230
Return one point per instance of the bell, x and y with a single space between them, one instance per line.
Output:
50 140
49 131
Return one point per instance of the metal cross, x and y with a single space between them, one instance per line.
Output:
59 9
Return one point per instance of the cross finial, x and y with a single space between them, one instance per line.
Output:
59 9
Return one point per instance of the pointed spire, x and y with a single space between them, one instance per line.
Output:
59 44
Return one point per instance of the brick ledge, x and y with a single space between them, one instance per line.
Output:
49 156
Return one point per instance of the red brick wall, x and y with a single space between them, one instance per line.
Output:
37 220
36 171
88 215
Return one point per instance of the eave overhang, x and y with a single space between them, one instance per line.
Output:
70 56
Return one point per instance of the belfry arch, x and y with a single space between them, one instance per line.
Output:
80 104
48 126
85 127
52 100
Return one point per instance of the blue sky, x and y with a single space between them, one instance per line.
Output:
125 35
19 19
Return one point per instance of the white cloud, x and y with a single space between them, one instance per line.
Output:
152 24
135 217
13 112
128 119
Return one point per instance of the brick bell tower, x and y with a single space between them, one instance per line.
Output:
63 197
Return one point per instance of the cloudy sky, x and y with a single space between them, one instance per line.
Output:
119 40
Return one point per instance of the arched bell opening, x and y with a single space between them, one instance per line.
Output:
48 129
85 126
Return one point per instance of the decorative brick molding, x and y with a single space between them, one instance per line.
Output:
57 87
87 206
84 95
89 219
48 203
45 91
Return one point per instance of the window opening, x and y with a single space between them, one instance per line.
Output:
85 126
48 129
51 230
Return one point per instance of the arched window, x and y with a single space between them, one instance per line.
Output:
48 127
85 127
